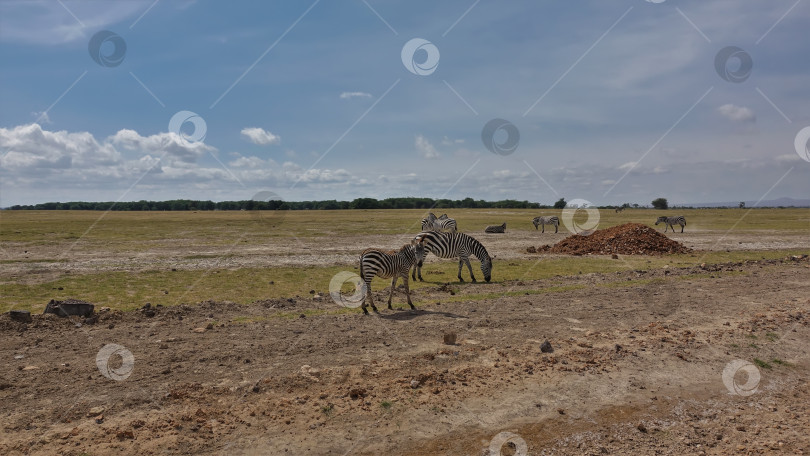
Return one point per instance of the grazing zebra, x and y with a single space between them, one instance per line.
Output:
388 264
671 222
443 223
549 220
619 209
496 228
456 245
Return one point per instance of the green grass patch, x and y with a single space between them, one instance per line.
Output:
762 364
780 362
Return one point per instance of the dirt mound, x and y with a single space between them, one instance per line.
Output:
627 239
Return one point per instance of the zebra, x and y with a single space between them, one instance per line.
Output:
619 209
496 228
671 222
455 245
549 220
443 223
389 264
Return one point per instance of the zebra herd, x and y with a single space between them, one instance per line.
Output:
440 237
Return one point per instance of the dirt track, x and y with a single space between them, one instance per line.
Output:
636 369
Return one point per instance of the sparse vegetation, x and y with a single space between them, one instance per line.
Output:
762 364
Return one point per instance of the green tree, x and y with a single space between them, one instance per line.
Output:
560 204
660 203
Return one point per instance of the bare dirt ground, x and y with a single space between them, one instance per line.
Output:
637 368
317 251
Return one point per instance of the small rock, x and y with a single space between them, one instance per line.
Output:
642 428
450 338
414 384
614 256
199 330
95 411
23 316
30 368
545 347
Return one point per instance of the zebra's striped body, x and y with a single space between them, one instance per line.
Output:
456 245
443 223
389 264
548 220
619 209
671 222
496 228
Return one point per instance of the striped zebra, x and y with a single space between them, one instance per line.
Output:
549 220
496 228
443 223
389 264
671 222
619 209
456 245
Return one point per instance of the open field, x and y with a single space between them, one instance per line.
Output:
246 353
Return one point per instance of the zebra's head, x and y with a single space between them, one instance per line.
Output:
535 222
486 268
427 224
661 219
419 250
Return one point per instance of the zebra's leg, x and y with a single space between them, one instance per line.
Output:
544 228
408 293
681 228
469 266
556 227
394 285
460 263
367 296
413 272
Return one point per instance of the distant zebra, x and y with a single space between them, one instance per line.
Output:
496 228
549 220
619 209
388 264
456 245
443 223
671 222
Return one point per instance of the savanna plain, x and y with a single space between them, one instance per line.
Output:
234 345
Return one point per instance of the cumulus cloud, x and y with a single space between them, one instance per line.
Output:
260 136
170 144
737 113
349 95
425 148
27 148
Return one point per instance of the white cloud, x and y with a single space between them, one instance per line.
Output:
349 95
171 144
737 113
425 148
260 136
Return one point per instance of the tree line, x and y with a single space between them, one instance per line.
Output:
252 205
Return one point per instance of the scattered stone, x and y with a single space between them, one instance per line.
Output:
614 256
199 330
30 368
23 316
450 338
69 307
95 411
414 384
546 347
642 428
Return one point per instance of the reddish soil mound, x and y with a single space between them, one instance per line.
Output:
627 239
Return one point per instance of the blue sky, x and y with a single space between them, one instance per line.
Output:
614 101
